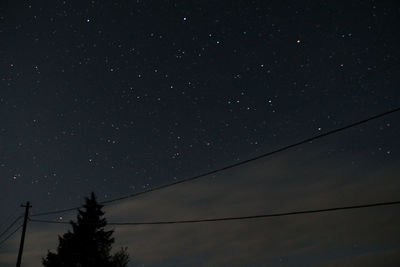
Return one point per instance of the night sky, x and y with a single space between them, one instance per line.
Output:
117 97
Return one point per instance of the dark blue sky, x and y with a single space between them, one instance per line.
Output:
119 96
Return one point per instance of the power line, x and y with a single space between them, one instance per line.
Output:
5 239
248 217
307 140
6 220
11 225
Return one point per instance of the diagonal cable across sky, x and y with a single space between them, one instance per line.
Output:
284 148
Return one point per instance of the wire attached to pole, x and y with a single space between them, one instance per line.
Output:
307 140
247 217
11 225
10 235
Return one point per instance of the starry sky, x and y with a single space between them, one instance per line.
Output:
117 97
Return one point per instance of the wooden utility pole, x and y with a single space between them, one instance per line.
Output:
21 244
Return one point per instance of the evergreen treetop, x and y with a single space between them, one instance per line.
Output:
88 244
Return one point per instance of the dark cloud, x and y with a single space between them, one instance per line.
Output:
285 183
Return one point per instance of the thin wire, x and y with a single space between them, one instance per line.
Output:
259 216
307 140
6 220
11 225
5 239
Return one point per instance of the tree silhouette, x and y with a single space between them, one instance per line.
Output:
88 245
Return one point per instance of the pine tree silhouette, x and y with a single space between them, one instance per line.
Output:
88 245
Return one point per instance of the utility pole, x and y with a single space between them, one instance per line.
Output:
21 244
